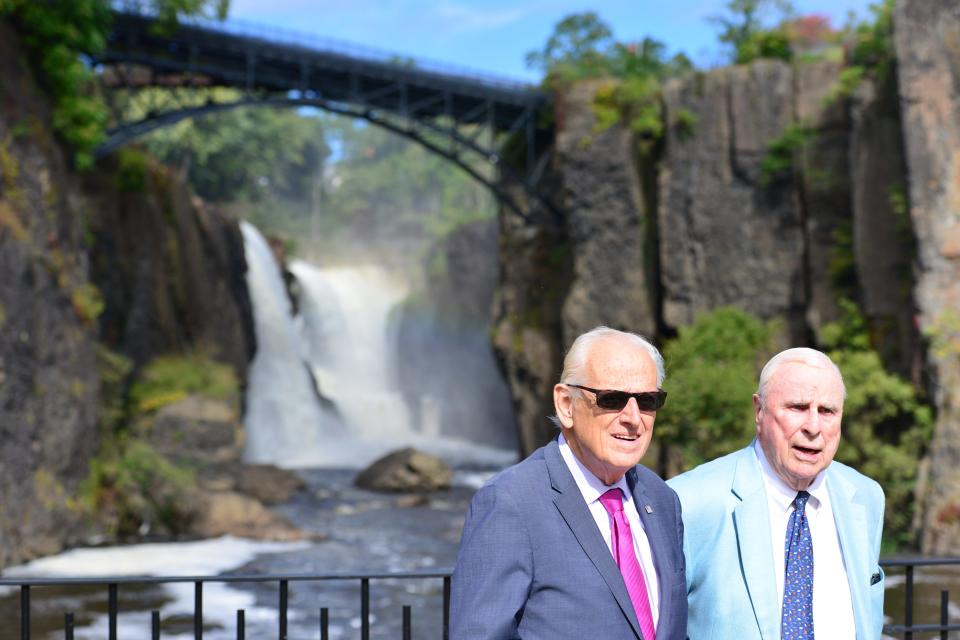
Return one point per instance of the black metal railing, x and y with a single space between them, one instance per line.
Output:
909 629
27 586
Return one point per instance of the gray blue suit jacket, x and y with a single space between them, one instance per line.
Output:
731 585
533 564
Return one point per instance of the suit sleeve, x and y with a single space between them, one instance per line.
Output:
491 582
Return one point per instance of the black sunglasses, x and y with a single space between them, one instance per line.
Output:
617 400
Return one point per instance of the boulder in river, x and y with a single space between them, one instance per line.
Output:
406 470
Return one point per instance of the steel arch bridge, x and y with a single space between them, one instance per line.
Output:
467 118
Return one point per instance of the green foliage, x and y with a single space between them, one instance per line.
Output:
778 163
741 28
113 371
870 51
842 265
574 50
244 154
685 121
58 32
170 378
131 170
713 366
132 485
885 425
87 302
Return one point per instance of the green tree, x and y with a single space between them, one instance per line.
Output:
58 33
577 48
742 29
242 154
713 366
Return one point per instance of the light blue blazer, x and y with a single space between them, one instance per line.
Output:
731 586
533 564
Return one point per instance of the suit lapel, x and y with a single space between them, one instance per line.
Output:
573 509
752 520
852 531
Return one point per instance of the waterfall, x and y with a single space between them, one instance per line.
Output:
282 415
321 390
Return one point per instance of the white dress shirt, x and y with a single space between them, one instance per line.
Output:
592 488
832 607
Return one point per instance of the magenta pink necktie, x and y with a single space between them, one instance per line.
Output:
623 553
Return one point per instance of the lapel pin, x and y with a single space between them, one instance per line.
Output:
648 508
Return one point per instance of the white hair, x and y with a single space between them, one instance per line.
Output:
805 355
576 358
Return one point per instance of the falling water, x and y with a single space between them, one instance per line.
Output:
282 413
322 392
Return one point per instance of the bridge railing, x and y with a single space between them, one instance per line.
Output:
332 45
907 628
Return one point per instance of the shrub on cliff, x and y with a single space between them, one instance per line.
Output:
712 368
886 425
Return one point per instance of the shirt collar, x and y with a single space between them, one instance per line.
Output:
591 487
780 493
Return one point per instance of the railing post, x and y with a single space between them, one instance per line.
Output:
241 625
68 626
365 608
24 612
406 622
944 618
908 612
198 610
324 623
283 609
112 610
446 608
155 625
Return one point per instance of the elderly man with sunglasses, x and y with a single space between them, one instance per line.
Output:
579 541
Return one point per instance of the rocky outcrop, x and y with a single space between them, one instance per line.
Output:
48 395
527 330
604 204
171 269
928 58
730 235
883 242
406 470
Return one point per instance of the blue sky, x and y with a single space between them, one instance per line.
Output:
493 36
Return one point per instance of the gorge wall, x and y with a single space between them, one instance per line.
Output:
120 258
863 206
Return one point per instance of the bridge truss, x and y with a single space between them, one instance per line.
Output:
467 119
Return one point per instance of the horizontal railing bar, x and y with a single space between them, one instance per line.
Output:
918 561
902 628
13 582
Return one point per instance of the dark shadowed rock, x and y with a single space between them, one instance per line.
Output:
196 430
406 470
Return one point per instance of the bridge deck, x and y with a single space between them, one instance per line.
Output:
204 53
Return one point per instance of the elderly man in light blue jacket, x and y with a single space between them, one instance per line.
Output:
780 541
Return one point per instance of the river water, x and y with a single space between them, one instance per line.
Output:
362 531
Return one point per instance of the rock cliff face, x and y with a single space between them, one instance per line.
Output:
48 397
171 270
718 224
82 262
928 53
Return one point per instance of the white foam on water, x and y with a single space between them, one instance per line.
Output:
200 558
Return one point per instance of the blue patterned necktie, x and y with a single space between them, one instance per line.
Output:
797 620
